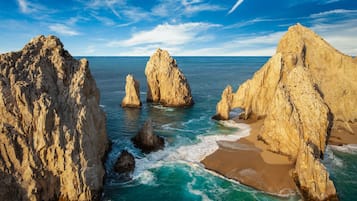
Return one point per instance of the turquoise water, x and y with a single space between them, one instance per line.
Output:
175 172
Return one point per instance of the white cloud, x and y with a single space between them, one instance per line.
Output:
235 6
331 12
29 7
178 8
167 34
259 40
341 35
63 30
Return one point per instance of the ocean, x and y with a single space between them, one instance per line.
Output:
175 172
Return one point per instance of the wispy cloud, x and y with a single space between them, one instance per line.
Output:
235 6
63 30
27 7
332 12
179 8
167 34
340 34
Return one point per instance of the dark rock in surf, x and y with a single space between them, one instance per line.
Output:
146 140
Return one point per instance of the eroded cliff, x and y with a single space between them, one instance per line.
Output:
52 130
302 91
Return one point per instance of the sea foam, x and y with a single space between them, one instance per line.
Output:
349 148
190 154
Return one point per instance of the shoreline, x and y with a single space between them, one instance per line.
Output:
249 162
268 172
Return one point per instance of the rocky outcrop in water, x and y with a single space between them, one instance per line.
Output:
166 83
305 88
52 130
224 105
125 164
132 93
146 140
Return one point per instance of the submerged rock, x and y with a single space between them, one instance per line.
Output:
125 164
146 140
52 130
166 83
305 88
132 93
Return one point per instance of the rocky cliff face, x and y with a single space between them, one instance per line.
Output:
132 93
52 130
166 83
305 88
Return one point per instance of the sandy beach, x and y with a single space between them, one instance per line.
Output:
249 162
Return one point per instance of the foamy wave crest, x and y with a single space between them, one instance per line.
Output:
189 154
232 124
167 109
332 158
349 148
195 191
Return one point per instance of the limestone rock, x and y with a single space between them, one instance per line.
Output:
132 93
312 177
305 88
52 130
166 83
146 140
125 164
224 105
296 111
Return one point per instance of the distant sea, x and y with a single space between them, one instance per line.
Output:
175 172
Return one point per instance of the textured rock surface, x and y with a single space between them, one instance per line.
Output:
132 93
146 140
52 130
166 83
125 164
305 88
224 105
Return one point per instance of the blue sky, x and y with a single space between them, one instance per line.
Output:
184 27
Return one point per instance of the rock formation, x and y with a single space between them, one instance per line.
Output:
146 140
52 130
302 91
166 83
224 105
132 93
125 164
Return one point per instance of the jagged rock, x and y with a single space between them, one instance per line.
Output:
52 130
224 105
125 164
166 83
311 175
132 93
304 89
146 140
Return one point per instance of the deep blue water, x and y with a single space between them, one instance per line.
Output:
175 173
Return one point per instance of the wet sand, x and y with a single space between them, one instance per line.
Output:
249 162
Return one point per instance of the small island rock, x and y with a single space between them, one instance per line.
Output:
125 164
132 93
146 140
166 83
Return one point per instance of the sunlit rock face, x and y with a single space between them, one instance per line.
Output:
52 130
132 93
166 83
305 88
